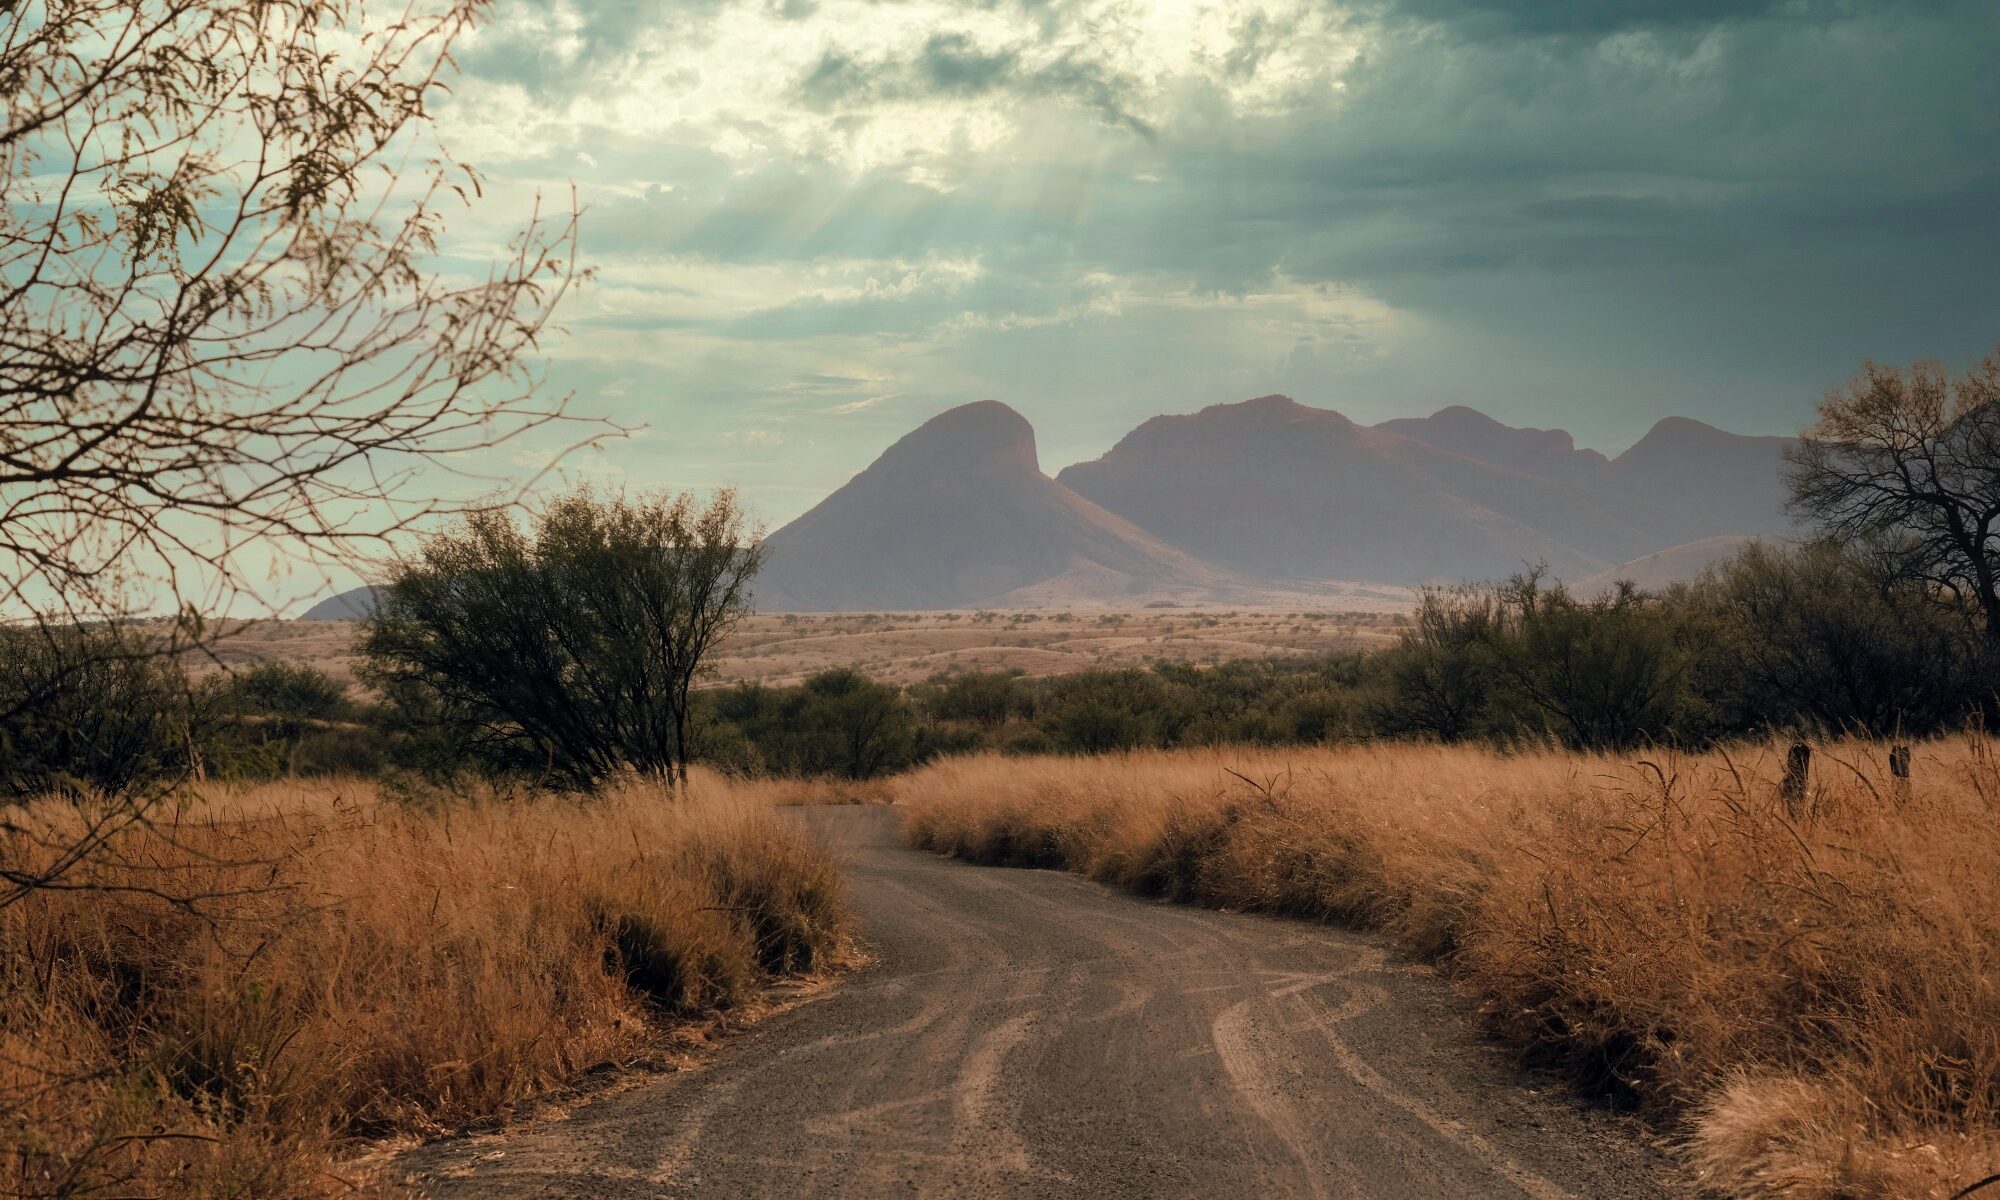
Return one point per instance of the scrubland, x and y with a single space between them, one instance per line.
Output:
785 648
1806 995
226 1002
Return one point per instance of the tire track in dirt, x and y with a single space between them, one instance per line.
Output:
1029 1033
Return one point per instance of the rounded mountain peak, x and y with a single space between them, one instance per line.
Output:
984 435
1264 411
1459 414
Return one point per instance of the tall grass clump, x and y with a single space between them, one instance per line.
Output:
1809 993
236 996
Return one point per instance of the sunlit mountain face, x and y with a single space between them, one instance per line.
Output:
816 224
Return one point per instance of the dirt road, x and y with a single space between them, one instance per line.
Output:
1029 1033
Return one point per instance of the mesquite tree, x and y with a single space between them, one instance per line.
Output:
222 323
568 653
225 332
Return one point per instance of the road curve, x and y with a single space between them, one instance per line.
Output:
1030 1033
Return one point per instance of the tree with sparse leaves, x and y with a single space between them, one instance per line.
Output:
1906 465
226 335
222 321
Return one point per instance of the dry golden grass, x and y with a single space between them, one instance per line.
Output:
356 968
1815 1002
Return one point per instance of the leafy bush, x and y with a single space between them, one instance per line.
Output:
1822 638
839 722
1592 674
566 653
90 708
280 719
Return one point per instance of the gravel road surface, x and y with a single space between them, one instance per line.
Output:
1030 1033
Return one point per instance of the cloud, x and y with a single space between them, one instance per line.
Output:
1597 17
854 406
953 66
1569 212
754 437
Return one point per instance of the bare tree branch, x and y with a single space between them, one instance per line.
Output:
1907 465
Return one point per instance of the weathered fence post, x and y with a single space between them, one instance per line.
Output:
1798 763
1899 772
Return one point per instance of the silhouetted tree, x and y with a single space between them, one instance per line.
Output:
1907 464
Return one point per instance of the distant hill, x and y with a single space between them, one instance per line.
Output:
1274 488
1266 501
1720 482
959 513
1547 453
1698 481
351 605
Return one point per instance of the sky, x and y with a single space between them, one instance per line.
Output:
816 223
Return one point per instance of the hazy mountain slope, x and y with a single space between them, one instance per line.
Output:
1720 482
1547 453
1684 481
350 605
957 513
1272 487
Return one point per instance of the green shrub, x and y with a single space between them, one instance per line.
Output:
286 719
90 708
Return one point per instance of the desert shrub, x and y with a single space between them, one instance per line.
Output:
92 708
864 728
1439 681
1529 660
839 722
281 719
1094 712
286 692
723 745
1822 637
984 698
1604 673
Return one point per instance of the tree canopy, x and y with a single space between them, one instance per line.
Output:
568 652
1907 465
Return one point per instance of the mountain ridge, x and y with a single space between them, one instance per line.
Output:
958 512
1261 500
1275 488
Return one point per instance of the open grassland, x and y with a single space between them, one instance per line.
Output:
1813 1000
899 648
239 994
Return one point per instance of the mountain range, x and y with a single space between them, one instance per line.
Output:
1263 501
1265 498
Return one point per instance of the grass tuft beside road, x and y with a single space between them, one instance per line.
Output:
244 991
1814 1000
